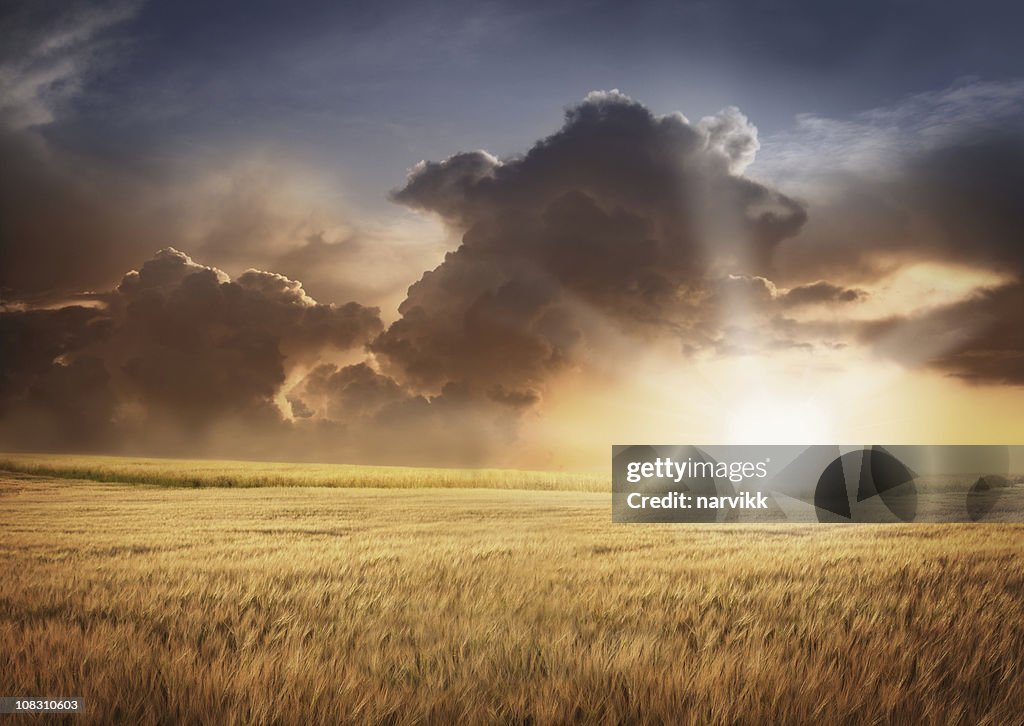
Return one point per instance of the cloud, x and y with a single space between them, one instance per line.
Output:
623 231
47 49
74 219
980 340
821 292
344 393
270 211
373 417
933 179
621 221
731 134
182 359
48 387
177 348
618 218
879 141
200 345
74 223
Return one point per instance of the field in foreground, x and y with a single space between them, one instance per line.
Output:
295 605
198 473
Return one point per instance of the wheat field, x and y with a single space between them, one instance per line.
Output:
330 605
198 473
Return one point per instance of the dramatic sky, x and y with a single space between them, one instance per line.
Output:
508 233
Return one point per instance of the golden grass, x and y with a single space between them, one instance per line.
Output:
243 474
319 605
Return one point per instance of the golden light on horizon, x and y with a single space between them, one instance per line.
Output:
846 397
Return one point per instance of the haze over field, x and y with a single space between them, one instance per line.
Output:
219 238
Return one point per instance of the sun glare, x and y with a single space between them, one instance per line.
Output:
769 420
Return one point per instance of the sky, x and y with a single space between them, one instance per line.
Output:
508 234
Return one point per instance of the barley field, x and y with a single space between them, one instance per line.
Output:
332 605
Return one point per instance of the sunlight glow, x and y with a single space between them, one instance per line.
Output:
774 420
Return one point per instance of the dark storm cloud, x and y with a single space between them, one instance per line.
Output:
61 231
346 392
48 388
371 416
620 229
200 346
936 179
958 202
176 349
621 215
971 190
181 359
932 178
980 339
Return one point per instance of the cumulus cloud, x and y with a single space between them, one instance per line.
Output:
620 217
373 417
622 220
731 134
181 358
176 348
346 392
